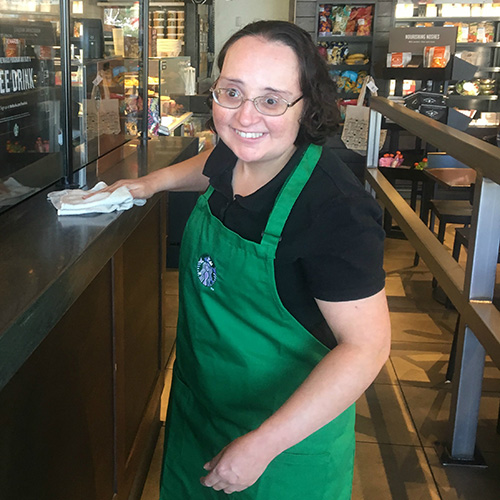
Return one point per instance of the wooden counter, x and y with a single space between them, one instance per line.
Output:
82 344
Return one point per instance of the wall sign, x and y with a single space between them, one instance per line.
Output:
17 74
415 39
33 33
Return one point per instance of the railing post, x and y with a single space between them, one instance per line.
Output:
373 146
373 142
479 286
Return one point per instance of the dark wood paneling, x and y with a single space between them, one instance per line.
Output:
141 325
56 413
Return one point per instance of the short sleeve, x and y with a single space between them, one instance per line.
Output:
343 259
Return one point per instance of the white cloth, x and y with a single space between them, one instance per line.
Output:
12 191
71 202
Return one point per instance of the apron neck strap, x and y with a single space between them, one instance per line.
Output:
208 193
288 196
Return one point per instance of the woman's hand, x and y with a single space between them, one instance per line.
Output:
142 188
238 465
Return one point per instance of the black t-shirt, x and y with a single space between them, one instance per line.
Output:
332 243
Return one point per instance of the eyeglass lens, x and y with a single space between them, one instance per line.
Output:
268 105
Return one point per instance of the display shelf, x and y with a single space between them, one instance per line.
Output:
170 123
466 98
347 67
478 44
434 74
418 19
362 43
489 69
343 38
456 69
124 3
486 59
28 16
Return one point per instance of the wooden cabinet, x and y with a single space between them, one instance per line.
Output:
79 418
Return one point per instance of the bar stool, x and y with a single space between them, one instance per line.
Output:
450 212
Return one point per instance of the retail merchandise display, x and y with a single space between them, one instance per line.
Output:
168 25
348 20
344 38
477 44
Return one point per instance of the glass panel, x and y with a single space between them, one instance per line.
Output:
105 77
30 96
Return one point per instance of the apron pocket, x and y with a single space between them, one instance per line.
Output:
296 476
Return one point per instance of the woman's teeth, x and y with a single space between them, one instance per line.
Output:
249 135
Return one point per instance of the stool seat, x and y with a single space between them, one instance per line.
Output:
451 212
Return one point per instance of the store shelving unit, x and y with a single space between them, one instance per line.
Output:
487 56
356 44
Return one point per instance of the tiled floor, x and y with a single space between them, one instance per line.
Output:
404 415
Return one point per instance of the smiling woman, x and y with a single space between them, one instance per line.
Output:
256 387
283 320
252 68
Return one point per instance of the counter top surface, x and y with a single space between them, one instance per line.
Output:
47 261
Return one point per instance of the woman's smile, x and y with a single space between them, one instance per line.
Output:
248 135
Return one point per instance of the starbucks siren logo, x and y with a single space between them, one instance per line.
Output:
207 273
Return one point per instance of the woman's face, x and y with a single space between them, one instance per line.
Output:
256 67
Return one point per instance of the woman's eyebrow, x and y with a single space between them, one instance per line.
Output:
228 81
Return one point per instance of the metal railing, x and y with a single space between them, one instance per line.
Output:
470 290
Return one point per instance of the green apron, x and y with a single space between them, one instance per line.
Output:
240 356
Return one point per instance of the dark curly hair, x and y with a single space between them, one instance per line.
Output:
320 117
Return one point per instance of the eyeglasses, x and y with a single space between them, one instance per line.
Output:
270 105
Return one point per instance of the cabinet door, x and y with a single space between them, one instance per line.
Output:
138 267
56 413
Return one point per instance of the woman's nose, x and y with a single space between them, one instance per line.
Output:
247 113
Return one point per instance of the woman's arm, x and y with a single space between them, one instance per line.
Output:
362 329
184 176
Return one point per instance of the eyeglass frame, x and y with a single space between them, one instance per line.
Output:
288 104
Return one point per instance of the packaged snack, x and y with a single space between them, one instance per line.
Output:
349 80
398 59
359 82
463 33
436 56
472 37
325 26
13 47
364 21
485 32
325 20
336 52
352 22
340 17
489 32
